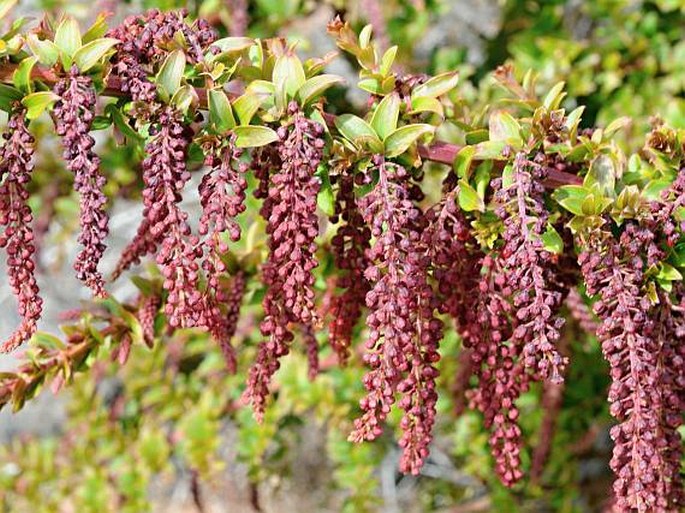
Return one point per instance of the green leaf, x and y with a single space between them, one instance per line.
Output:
426 104
668 273
476 136
170 74
602 175
554 97
8 96
97 30
233 44
384 120
358 131
490 150
288 70
469 200
503 127
370 85
122 125
462 162
247 105
185 99
387 60
571 197
654 188
436 86
46 51
313 88
401 139
37 103
253 136
90 54
552 241
68 40
325 199
220 111
22 75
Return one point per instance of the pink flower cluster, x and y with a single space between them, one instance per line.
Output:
643 346
16 165
292 226
73 114
403 332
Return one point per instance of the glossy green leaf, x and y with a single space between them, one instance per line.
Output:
387 60
97 30
325 199
436 86
554 96
602 175
8 96
490 150
399 141
246 106
571 197
185 99
220 111
314 87
91 53
503 127
469 200
462 162
426 104
46 51
22 75
386 114
289 72
37 103
552 241
254 136
170 74
68 40
354 128
234 44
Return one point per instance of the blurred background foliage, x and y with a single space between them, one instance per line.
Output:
166 431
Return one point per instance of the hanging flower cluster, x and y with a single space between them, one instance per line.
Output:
528 268
493 251
633 341
16 164
349 245
403 333
74 113
292 226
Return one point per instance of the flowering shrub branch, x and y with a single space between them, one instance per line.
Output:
532 211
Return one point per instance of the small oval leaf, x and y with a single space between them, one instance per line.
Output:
22 75
90 54
253 136
436 86
313 88
401 139
37 103
170 74
384 120
220 111
68 40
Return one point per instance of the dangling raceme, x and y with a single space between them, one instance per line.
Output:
403 332
222 197
634 338
529 268
74 113
16 165
349 246
292 226
498 366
